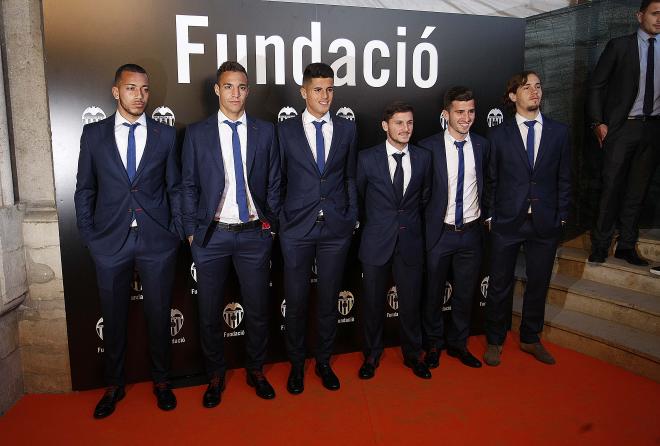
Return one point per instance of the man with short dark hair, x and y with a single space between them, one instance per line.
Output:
528 196
231 185
454 232
319 212
128 199
394 185
624 111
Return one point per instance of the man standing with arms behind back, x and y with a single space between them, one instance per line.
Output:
624 111
128 200
231 194
319 212
528 196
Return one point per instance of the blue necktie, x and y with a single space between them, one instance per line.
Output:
241 192
458 216
530 142
320 146
397 181
130 151
648 92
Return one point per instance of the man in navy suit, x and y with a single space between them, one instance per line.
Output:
453 227
528 196
128 198
319 213
394 185
231 180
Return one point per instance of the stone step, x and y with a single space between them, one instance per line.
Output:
615 272
648 244
627 307
618 344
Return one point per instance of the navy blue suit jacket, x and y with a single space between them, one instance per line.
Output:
305 191
385 221
437 208
204 174
106 200
512 186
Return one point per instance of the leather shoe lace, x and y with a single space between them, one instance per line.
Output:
164 396
213 394
106 405
295 384
328 377
432 358
418 367
464 356
368 370
257 379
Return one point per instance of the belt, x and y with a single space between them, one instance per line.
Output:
465 227
237 227
644 118
320 219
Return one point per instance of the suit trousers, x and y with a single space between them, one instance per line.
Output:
539 259
462 252
249 251
408 280
631 154
114 273
330 252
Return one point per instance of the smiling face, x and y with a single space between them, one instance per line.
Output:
649 20
132 94
527 97
460 118
399 129
318 93
232 90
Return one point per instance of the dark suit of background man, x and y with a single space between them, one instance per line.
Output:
230 199
454 233
528 196
127 200
394 184
319 212
624 111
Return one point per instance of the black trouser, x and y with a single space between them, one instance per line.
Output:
630 158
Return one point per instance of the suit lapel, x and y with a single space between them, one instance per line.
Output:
213 142
382 165
633 51
337 129
299 129
546 134
113 150
516 137
153 134
414 168
477 150
252 135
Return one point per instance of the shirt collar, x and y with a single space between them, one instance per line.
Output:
222 118
307 117
644 35
520 120
391 150
120 120
450 139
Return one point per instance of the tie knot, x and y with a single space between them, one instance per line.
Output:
233 125
398 157
530 124
459 144
651 40
131 126
318 124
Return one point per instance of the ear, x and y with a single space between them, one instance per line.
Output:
512 97
115 92
639 14
216 89
303 92
384 125
445 114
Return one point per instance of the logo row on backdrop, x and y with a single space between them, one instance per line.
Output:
166 116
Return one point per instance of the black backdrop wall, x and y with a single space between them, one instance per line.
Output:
379 56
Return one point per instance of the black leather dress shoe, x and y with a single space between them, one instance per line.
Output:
367 371
328 377
598 256
164 396
464 356
106 405
256 379
432 358
296 383
213 394
418 367
630 256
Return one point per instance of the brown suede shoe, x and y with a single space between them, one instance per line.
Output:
537 350
492 355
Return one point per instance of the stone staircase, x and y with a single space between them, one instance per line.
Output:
609 311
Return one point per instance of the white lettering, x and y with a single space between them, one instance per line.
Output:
260 58
184 48
299 43
368 63
433 61
347 60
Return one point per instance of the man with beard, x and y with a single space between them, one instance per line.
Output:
394 184
528 195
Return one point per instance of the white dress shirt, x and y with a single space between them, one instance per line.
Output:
538 128
310 131
405 163
471 209
227 211
121 138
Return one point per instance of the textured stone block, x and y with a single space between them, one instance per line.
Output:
11 384
49 256
39 234
45 360
42 332
13 276
53 383
8 334
52 290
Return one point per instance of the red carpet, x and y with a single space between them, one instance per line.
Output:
579 401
